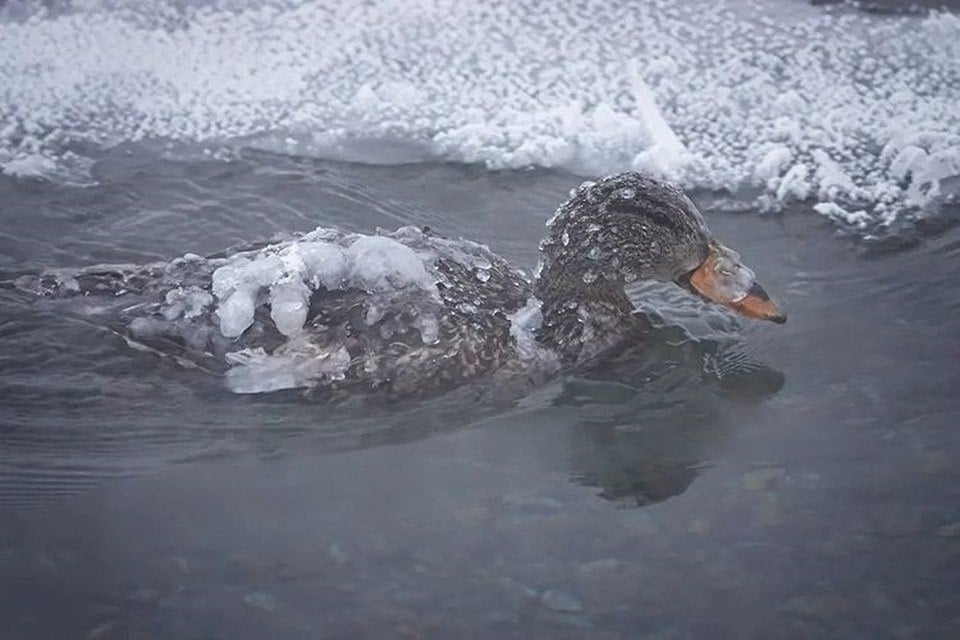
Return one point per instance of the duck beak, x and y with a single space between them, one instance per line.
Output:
724 280
757 304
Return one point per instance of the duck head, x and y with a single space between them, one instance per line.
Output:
630 227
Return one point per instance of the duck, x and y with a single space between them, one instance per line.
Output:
409 312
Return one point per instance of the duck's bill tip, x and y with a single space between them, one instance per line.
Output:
722 280
757 304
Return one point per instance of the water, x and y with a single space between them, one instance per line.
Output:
141 499
816 496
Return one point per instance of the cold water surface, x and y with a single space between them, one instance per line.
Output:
140 499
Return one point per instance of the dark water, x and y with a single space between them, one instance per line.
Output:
142 500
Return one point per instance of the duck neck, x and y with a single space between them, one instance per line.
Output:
582 320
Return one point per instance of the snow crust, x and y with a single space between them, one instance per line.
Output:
847 108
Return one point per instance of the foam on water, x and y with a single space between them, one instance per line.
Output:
844 108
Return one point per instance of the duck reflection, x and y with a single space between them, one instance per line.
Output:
647 427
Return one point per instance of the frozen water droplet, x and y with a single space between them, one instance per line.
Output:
565 238
374 314
589 277
627 193
429 329
483 275
594 253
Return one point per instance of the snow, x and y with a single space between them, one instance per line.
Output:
910 160
833 180
794 184
857 219
664 155
773 162
29 166
806 103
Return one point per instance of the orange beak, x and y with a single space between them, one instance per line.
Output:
708 281
757 304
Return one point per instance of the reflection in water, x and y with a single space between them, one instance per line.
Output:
652 416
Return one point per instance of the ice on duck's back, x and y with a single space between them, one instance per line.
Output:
186 303
524 323
296 364
286 274
392 267
289 303
378 263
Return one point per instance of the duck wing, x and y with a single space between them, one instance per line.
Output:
405 311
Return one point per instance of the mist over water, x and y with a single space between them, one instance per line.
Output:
734 479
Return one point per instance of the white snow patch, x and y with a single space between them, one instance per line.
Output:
664 156
706 93
773 162
832 179
857 219
794 184
29 166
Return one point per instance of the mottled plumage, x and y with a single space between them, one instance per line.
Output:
610 233
400 340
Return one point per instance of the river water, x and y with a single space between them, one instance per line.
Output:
141 499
